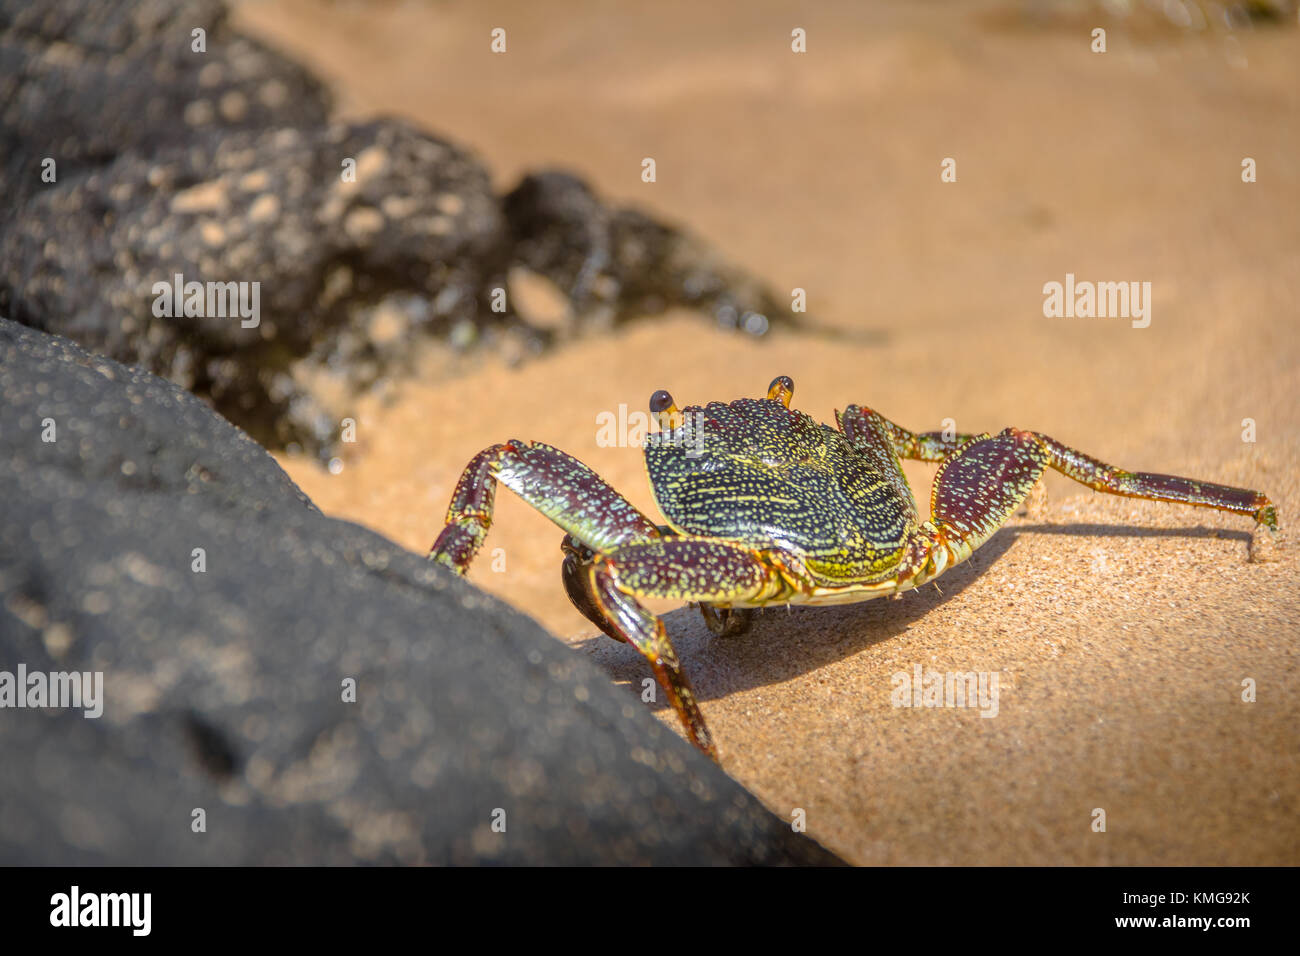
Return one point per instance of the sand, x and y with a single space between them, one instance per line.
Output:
1121 631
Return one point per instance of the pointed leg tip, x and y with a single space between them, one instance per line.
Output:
443 558
705 744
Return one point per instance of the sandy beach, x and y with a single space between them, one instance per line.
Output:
1121 631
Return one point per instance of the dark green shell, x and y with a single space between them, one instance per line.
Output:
760 474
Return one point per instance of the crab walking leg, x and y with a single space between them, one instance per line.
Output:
1140 484
914 446
685 569
976 490
932 446
577 582
979 486
873 437
555 483
575 573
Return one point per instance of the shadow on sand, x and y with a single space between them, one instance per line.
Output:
719 666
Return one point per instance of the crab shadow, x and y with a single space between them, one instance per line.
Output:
785 643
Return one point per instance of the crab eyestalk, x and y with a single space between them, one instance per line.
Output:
665 410
781 390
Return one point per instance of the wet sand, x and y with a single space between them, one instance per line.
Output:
1121 631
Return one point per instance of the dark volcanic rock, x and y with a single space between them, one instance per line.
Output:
616 263
83 81
220 166
222 688
343 270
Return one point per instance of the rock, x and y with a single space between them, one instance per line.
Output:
222 689
220 167
621 263
269 217
84 81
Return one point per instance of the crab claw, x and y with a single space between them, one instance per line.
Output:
781 389
665 410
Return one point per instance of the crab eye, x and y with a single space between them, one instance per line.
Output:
781 389
661 401
665 410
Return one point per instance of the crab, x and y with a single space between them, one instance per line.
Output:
766 506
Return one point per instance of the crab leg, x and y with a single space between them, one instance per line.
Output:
977 489
915 446
575 574
555 483
979 486
685 569
931 446
1140 484
874 436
